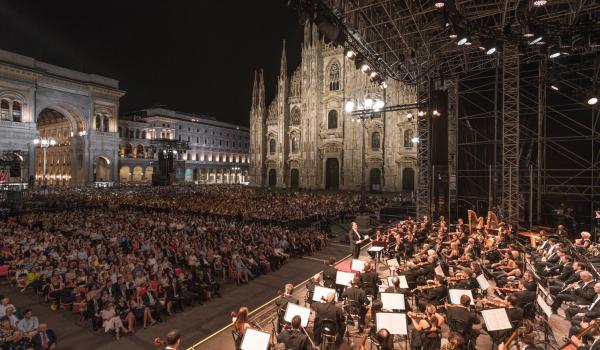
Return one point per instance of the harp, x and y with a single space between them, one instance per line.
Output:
472 220
492 220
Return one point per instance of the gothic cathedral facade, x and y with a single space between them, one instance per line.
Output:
306 139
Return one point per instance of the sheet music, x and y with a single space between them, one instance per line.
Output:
357 265
321 292
344 278
255 340
496 319
293 310
393 263
403 282
394 322
483 282
455 295
375 249
438 271
393 301
545 307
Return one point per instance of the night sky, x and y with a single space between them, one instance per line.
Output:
192 56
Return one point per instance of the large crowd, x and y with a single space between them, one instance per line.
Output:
122 261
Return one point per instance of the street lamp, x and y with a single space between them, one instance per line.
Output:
235 170
44 143
363 111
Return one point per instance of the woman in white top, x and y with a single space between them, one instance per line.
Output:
111 320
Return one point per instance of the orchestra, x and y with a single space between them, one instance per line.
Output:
485 261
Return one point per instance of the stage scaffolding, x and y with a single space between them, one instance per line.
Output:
512 140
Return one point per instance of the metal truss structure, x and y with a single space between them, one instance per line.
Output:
507 119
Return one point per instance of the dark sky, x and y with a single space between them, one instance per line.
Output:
193 56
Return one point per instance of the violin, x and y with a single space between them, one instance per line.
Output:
422 288
494 303
417 315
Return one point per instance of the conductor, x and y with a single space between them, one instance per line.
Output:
355 240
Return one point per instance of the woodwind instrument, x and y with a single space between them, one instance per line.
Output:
570 345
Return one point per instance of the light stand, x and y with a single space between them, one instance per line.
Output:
44 143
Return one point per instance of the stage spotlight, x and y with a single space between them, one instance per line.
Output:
462 40
489 46
538 3
554 86
536 39
349 106
554 52
384 85
436 113
592 100
379 104
409 116
373 75
364 68
350 53
415 140
439 4
421 113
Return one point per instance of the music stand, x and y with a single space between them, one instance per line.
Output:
455 294
357 265
483 282
392 264
394 322
255 340
293 310
343 278
496 319
393 301
377 251
543 313
321 292
439 271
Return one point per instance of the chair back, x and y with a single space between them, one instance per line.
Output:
328 327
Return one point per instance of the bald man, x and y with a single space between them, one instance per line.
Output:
325 312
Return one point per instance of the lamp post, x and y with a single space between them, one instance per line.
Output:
44 143
235 177
362 111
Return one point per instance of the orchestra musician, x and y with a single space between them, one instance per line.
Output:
173 340
294 338
427 332
370 280
240 324
282 303
329 274
356 301
328 312
461 320
310 286
581 294
434 293
581 315
580 342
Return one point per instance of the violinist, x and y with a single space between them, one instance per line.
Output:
434 293
329 274
528 289
580 341
427 333
327 311
282 303
240 324
310 286
294 338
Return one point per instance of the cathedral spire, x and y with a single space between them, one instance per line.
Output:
283 67
261 91
254 92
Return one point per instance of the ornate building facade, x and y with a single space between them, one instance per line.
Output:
305 139
40 99
218 151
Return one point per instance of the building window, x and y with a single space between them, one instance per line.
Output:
295 116
272 146
98 122
120 131
16 112
334 77
4 110
137 133
143 134
375 140
408 136
106 124
295 144
332 119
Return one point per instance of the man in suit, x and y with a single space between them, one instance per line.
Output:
370 280
593 338
582 315
461 320
173 340
283 302
433 295
356 301
582 294
558 283
294 339
329 274
44 339
355 240
327 311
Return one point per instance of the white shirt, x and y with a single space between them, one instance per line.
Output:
596 299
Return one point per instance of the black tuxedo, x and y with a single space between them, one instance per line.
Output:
37 340
354 237
370 282
328 312
357 299
329 275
